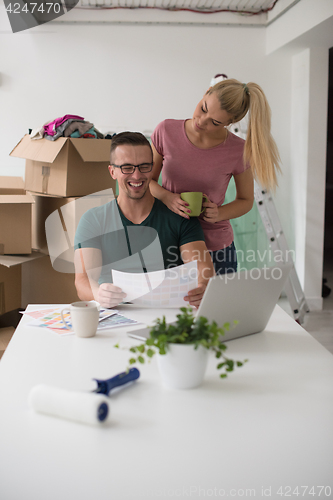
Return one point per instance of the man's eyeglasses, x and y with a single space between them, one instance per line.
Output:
144 168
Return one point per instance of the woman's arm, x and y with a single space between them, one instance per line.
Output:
241 204
156 190
197 250
172 200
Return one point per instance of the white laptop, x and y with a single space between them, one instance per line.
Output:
248 297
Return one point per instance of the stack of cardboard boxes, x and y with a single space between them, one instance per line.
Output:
57 173
15 238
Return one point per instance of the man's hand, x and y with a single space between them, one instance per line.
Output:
194 296
109 295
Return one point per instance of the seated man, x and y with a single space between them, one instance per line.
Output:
135 232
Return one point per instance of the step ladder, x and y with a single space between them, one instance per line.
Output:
278 242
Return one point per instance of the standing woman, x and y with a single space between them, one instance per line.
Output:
200 154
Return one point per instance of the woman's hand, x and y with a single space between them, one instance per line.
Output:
211 213
174 202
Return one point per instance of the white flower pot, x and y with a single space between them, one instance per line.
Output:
183 367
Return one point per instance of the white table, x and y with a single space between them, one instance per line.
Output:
265 430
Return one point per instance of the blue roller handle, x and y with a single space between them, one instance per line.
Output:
105 386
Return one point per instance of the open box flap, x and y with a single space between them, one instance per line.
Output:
16 198
93 150
16 260
11 185
38 150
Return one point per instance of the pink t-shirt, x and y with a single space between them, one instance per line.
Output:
189 168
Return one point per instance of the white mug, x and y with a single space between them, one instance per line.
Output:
84 317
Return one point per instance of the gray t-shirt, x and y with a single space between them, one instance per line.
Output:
150 246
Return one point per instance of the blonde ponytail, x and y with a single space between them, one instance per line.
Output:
260 149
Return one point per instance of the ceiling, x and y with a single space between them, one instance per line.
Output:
194 12
250 7
190 12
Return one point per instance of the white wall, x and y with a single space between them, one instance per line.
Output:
127 76
305 34
299 21
308 160
314 243
300 103
117 76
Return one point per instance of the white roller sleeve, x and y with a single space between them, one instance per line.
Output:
87 408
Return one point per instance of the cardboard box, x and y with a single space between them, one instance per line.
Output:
32 280
65 167
11 185
10 288
11 281
43 207
41 284
15 217
62 216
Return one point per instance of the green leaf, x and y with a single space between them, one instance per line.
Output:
186 330
116 345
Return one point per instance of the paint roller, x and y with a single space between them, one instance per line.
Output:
87 408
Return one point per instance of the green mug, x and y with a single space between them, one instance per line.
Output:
195 200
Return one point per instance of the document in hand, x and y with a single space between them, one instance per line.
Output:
166 288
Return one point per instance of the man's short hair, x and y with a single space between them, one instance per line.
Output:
132 138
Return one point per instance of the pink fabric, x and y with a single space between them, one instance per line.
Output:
50 128
189 168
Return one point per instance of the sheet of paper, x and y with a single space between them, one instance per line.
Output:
165 288
115 321
51 319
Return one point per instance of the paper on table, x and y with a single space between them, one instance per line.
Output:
166 288
115 321
51 318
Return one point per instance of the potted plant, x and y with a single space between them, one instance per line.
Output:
183 348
